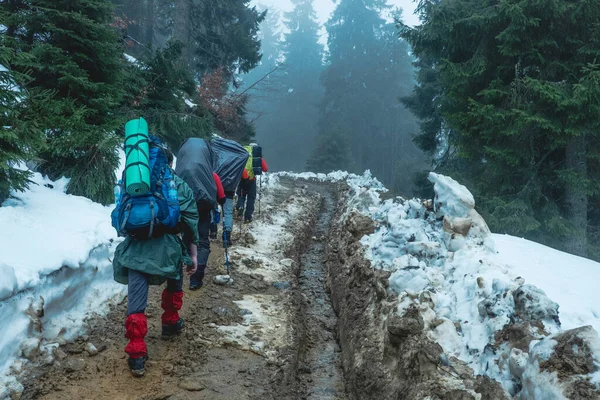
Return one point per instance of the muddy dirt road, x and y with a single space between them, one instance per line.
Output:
271 334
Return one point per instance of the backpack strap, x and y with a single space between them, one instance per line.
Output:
153 218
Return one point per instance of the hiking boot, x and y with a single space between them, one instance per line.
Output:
168 331
196 285
213 235
248 220
137 366
240 212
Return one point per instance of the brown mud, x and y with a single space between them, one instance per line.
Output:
208 361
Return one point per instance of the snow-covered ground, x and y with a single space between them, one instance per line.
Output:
56 268
571 281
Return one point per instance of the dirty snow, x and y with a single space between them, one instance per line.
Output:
443 258
265 317
59 247
470 283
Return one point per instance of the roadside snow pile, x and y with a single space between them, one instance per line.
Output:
55 259
476 295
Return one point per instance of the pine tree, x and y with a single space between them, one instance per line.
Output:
160 94
331 153
20 133
69 47
511 78
369 69
225 35
288 124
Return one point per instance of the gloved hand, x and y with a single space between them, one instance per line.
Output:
217 216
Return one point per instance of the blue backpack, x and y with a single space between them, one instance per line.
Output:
152 214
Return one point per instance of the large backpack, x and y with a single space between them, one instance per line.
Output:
254 163
195 167
229 161
151 214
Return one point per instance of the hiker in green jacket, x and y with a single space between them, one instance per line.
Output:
139 263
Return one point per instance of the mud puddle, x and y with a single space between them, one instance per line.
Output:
319 365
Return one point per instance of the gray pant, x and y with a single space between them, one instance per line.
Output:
137 290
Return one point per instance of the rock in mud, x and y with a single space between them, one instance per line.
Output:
411 324
359 225
532 304
91 349
74 365
191 385
61 355
168 369
251 262
223 280
249 238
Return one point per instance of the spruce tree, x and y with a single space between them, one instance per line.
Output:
160 96
369 68
290 128
71 49
20 133
512 76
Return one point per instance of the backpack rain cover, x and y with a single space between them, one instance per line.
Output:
195 167
229 161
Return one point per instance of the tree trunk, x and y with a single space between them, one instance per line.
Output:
183 10
149 39
576 196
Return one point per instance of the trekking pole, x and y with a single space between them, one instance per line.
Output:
259 193
227 256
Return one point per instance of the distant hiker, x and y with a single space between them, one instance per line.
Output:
255 166
229 161
153 251
194 166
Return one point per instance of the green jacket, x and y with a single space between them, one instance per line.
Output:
160 257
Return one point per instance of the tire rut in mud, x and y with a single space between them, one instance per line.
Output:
319 371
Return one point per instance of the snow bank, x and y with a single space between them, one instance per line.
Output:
48 230
569 280
442 257
503 305
55 258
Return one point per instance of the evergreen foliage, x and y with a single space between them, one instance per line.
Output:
164 85
226 35
331 153
369 68
516 84
288 105
20 132
71 49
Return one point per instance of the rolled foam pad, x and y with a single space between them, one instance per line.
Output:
137 152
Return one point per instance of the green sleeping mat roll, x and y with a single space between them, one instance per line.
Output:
137 152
